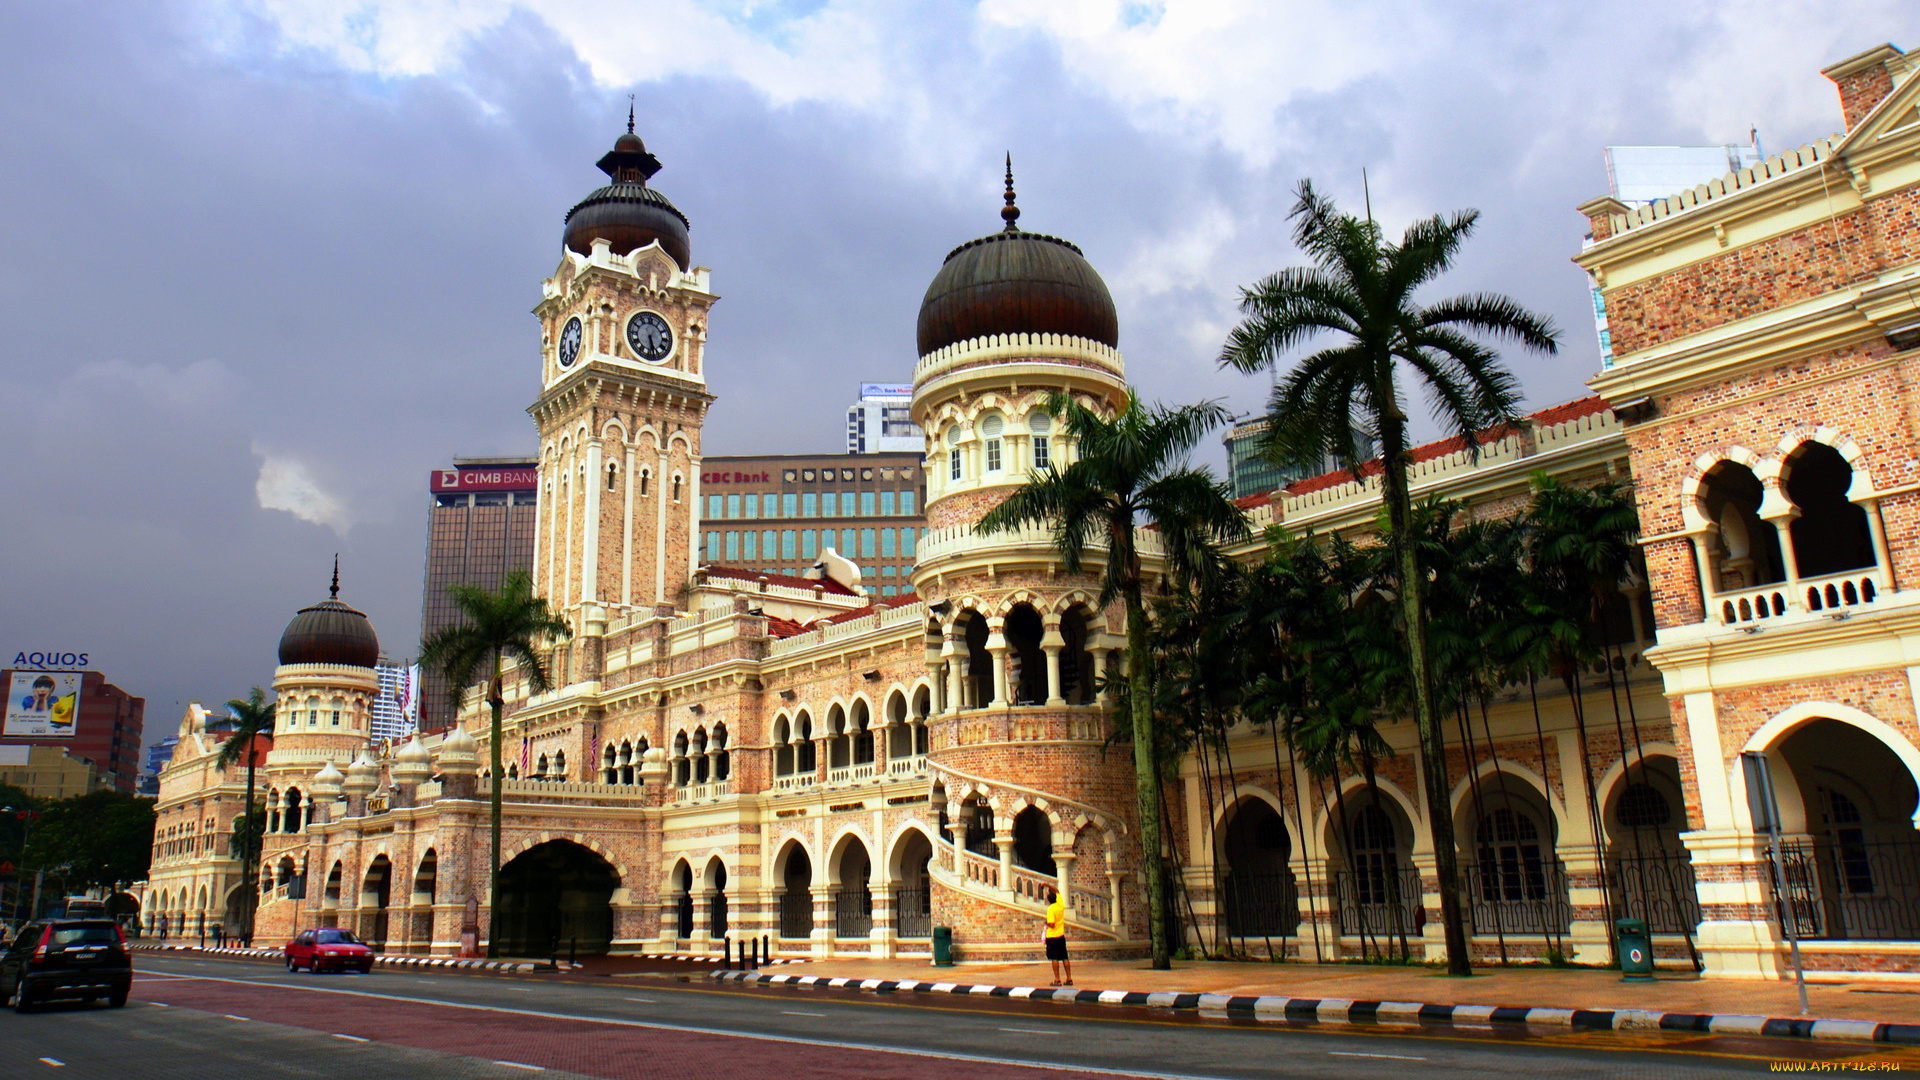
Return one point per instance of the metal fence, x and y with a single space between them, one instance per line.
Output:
852 912
1517 896
1260 904
796 913
1850 888
1658 888
1378 902
913 913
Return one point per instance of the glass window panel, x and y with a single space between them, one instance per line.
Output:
768 538
789 504
907 541
713 547
906 502
889 540
866 504
809 505
866 543
733 545
789 544
889 502
751 547
750 506
733 506
809 543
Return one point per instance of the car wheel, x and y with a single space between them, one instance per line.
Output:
118 999
24 1002
292 965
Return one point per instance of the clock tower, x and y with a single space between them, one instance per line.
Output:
623 395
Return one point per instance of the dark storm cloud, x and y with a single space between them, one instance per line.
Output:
228 244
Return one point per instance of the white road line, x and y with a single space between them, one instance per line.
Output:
520 1065
731 1033
1030 1031
230 1016
790 1012
1395 1057
350 1038
55 1062
643 1001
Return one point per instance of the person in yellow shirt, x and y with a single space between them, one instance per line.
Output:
1057 937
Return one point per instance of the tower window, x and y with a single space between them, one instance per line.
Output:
1041 452
644 476
953 464
612 472
676 488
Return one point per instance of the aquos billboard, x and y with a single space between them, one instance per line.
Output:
43 704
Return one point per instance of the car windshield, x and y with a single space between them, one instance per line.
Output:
335 937
85 934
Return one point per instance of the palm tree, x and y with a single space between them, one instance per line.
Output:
253 717
1360 289
496 627
1127 472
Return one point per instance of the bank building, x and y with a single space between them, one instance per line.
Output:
732 754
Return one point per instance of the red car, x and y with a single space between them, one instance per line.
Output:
325 948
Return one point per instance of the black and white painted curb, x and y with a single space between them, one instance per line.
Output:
716 958
1344 1011
449 963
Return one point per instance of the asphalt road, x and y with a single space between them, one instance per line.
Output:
204 1018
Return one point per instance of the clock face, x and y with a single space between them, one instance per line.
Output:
649 336
569 343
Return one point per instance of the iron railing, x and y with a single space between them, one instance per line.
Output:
913 913
1260 904
796 913
1851 888
1378 902
1517 896
852 912
1657 888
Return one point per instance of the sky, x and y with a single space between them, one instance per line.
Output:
265 264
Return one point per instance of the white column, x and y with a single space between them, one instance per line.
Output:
662 496
1005 843
693 519
590 533
1877 529
1703 562
1052 643
997 649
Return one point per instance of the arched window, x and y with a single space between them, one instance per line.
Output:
681 773
782 748
559 766
1041 425
645 475
861 727
338 707
609 765
1831 534
697 757
806 758
722 757
1747 553
992 429
1512 861
676 487
540 768
613 473
954 466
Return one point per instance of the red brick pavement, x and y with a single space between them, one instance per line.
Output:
616 1050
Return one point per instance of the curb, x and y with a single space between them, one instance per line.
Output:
388 961
1344 1011
715 958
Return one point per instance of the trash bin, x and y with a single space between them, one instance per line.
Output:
943 946
1635 948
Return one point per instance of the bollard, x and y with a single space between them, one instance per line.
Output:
766 947
726 954
573 951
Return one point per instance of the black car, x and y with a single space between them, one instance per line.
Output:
75 959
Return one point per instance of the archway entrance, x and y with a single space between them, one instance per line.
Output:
1852 853
796 897
852 895
1257 890
375 895
554 896
912 895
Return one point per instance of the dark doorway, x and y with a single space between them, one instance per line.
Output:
555 897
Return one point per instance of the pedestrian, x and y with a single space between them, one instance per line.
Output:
1057 937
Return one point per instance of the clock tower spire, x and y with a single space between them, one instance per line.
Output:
623 397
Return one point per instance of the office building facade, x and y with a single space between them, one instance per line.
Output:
396 710
479 529
778 513
881 422
1252 473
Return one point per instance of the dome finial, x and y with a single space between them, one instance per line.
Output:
629 114
1010 212
334 592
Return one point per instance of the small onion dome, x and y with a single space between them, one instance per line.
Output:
627 213
459 754
330 632
327 781
362 776
412 764
1016 282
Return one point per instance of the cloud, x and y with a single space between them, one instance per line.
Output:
287 484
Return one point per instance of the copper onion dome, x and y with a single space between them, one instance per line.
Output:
627 213
1016 282
330 632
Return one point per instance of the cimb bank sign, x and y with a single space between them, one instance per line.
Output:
487 478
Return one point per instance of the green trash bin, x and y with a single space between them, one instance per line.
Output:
1636 948
943 946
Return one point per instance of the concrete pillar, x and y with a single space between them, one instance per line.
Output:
997 650
1063 863
1004 841
1703 563
1052 643
954 650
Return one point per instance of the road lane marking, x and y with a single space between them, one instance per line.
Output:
350 1038
1353 1053
55 1062
643 1001
790 1012
230 1016
521 1065
1031 1031
732 1033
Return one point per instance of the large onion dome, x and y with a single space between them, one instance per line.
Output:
330 632
1016 282
627 213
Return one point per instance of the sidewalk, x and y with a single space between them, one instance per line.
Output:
1575 988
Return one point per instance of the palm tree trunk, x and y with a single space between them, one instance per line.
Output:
250 849
1433 738
493 814
1146 769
